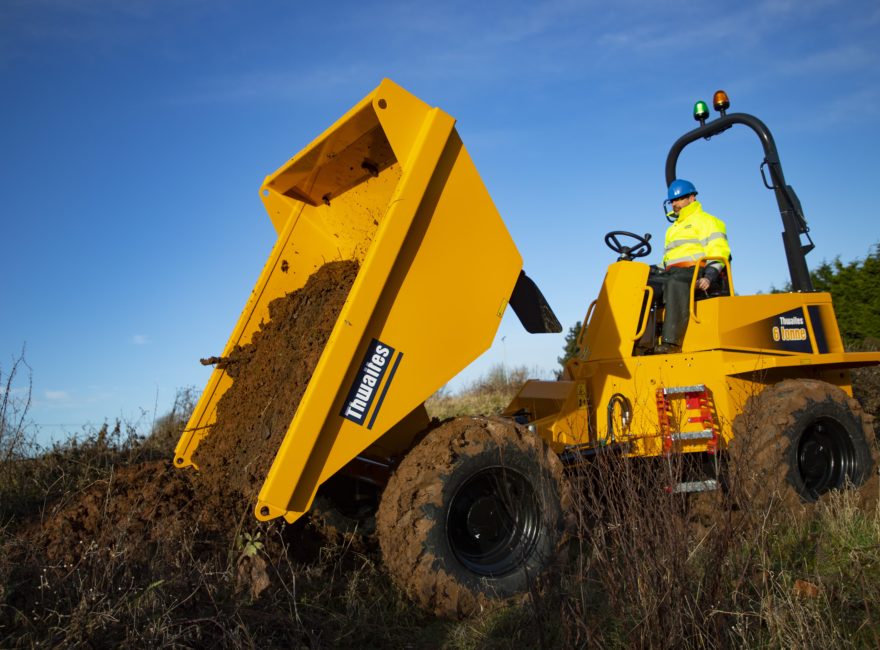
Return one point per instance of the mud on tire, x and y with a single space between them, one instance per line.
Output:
473 514
797 440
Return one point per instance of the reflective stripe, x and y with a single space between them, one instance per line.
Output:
689 258
713 237
683 242
702 242
695 258
695 235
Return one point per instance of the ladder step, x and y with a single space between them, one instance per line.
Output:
694 435
678 390
696 486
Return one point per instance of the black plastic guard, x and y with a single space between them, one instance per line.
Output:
532 308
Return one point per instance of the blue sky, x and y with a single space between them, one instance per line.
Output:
135 136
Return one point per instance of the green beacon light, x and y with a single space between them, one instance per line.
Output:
701 112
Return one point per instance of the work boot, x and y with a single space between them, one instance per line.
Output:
667 348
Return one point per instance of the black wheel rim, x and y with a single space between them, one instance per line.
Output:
826 456
493 521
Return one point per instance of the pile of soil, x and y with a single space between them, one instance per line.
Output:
142 510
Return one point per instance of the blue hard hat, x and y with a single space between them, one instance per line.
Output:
679 188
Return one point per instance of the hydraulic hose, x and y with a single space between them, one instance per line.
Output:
625 415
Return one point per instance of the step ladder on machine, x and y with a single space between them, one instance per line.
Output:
698 412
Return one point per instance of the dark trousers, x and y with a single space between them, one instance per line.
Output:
672 286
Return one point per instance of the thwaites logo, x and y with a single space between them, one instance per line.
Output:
789 331
378 361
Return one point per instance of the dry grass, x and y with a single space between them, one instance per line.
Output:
661 570
487 395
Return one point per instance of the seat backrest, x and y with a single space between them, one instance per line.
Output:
719 287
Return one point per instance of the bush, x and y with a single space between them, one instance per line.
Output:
487 395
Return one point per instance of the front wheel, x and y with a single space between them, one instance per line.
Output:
474 514
799 439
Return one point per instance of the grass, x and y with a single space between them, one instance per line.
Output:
651 570
645 568
487 395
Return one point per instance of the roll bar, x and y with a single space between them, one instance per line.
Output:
793 221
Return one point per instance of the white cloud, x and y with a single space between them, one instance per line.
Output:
140 339
57 395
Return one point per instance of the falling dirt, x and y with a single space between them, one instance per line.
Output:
270 376
144 509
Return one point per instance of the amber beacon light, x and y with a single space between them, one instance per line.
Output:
721 101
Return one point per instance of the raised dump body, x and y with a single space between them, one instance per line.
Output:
391 186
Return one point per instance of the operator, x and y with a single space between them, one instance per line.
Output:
693 235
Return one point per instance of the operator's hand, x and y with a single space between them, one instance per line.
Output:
703 284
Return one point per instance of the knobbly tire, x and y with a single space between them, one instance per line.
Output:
473 515
798 440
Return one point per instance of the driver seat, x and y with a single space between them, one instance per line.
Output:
721 286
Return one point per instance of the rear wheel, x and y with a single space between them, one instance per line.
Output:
474 514
798 440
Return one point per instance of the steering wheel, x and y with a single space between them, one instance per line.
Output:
628 253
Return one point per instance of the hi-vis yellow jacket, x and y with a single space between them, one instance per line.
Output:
695 234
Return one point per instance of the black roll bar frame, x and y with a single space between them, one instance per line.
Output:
793 221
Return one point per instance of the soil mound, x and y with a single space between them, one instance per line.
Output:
142 511
136 511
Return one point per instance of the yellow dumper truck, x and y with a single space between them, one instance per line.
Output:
472 509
